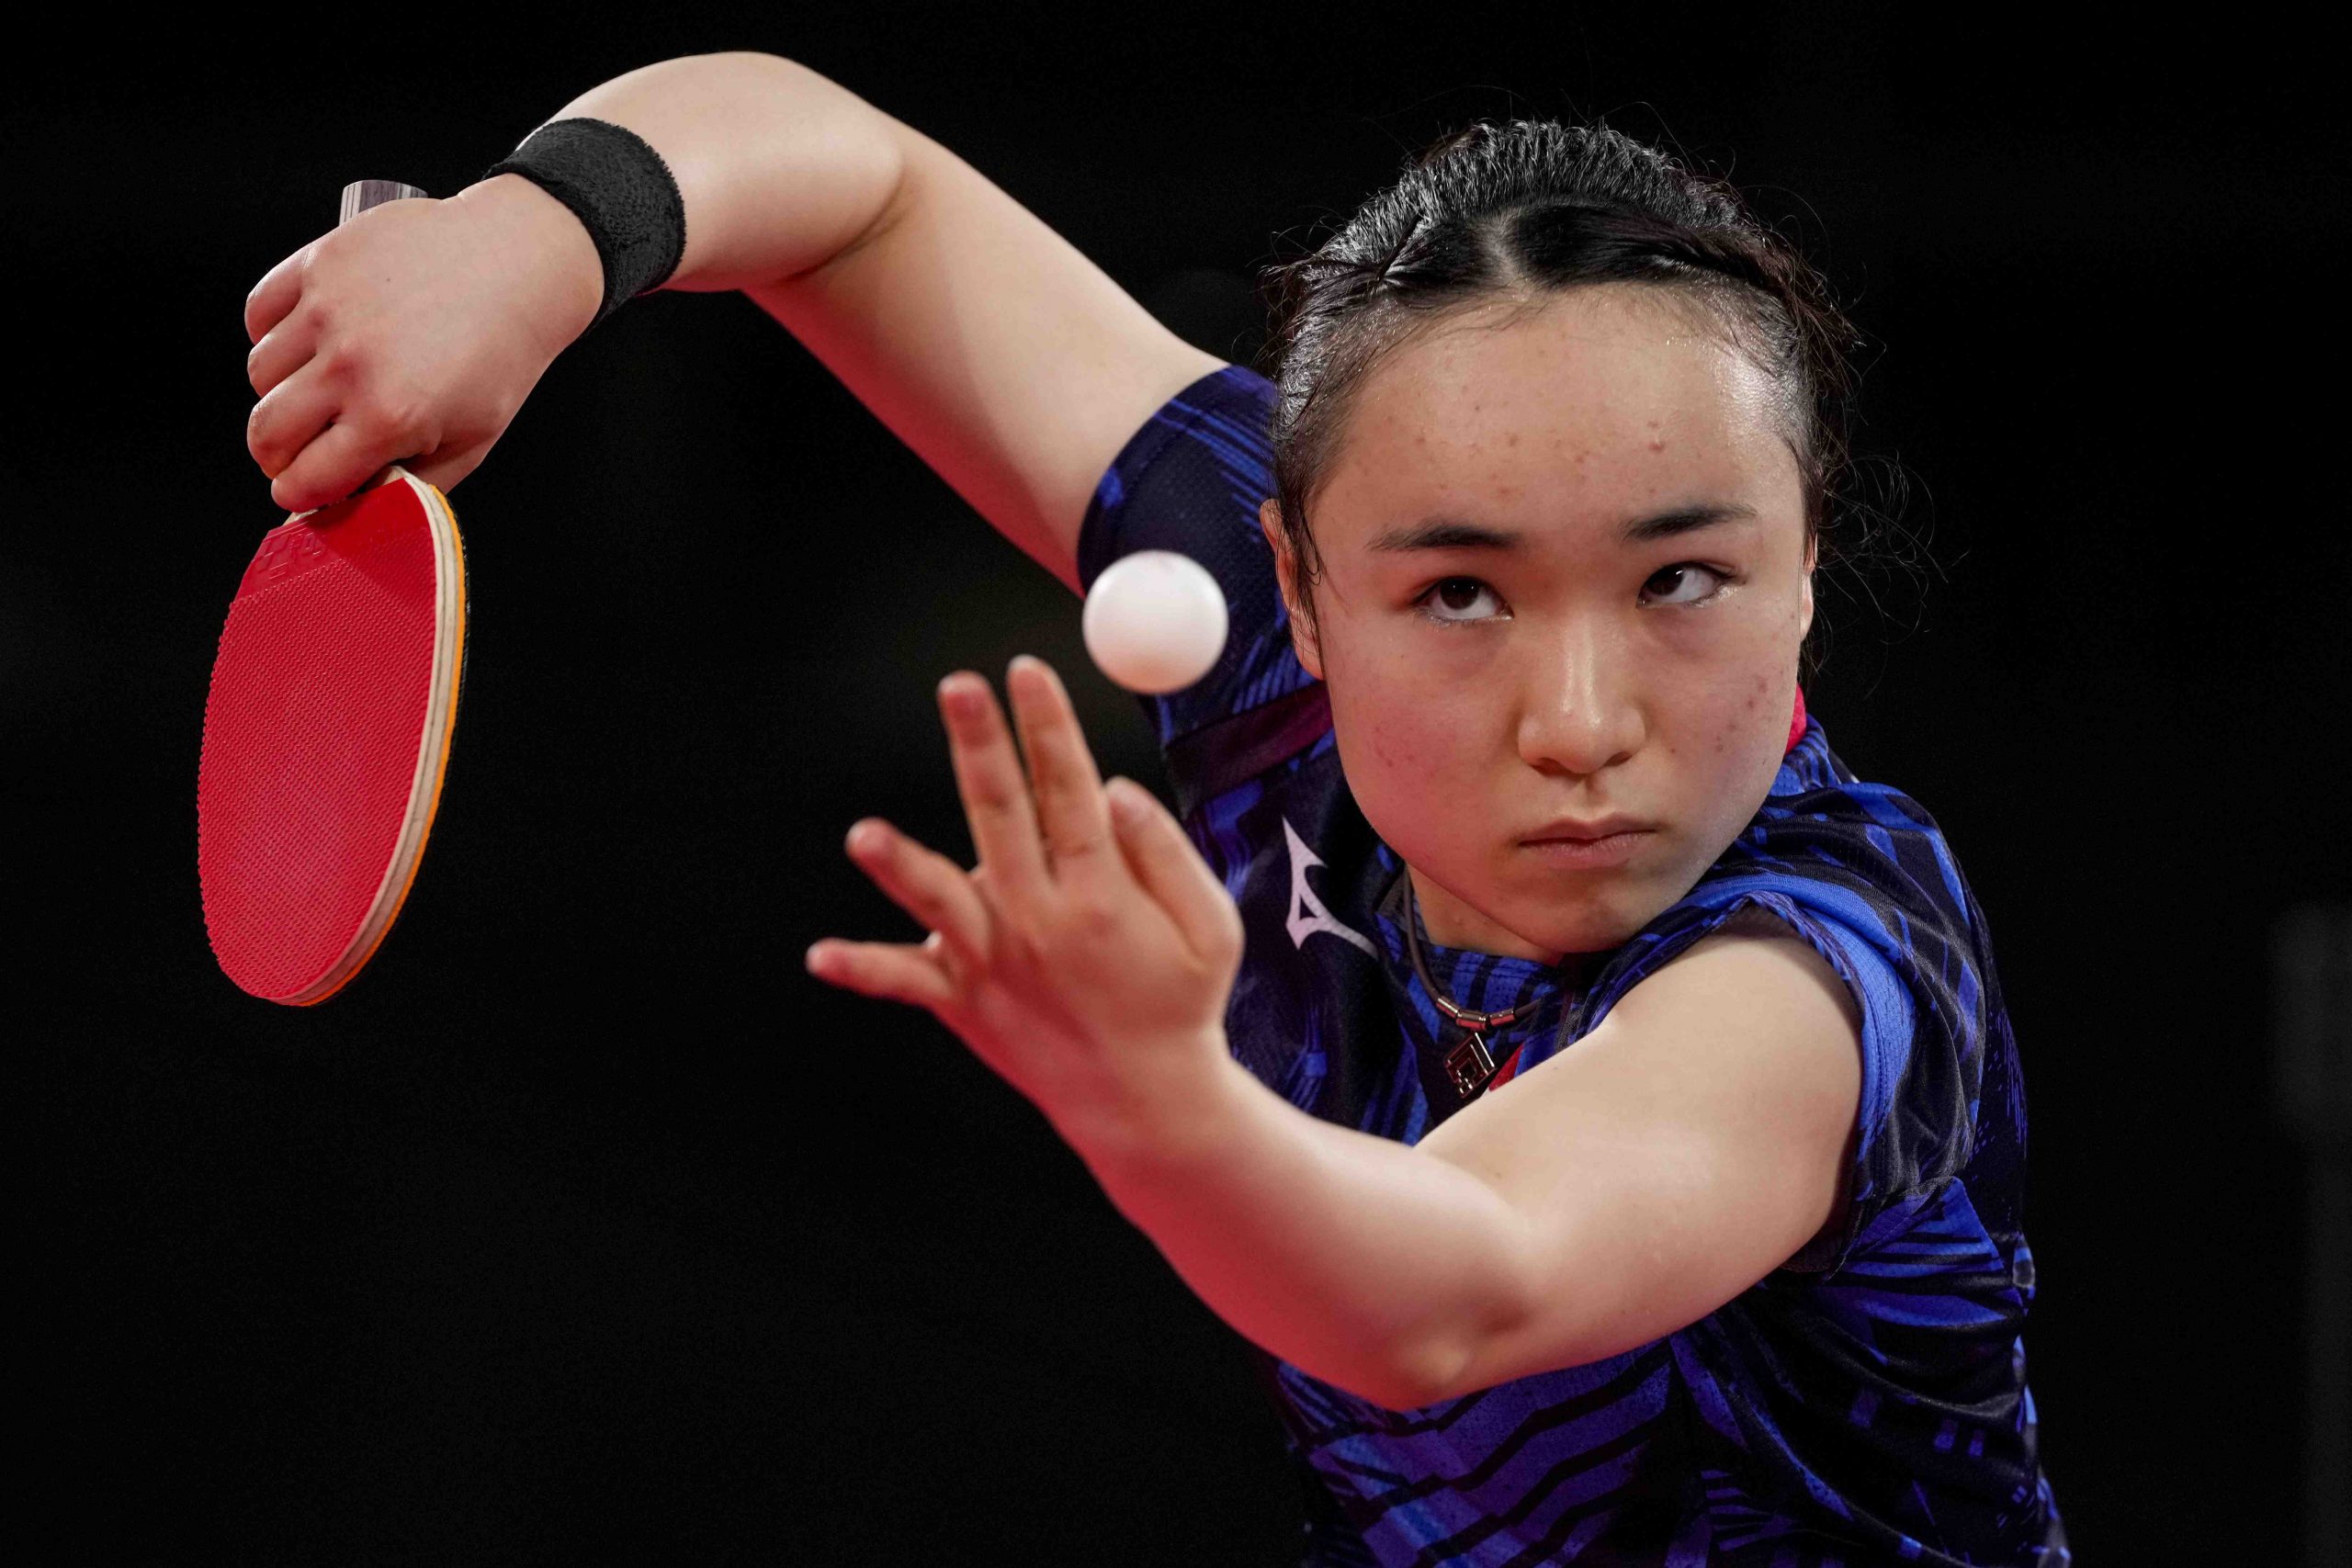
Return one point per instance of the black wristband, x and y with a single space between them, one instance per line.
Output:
620 189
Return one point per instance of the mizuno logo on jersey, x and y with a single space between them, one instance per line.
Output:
1307 914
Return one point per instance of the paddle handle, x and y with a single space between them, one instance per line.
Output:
361 195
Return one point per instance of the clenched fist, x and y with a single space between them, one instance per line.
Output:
411 334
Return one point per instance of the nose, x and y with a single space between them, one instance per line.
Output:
1579 710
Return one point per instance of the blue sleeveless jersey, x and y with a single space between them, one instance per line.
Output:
1865 1402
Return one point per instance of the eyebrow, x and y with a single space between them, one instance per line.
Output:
1452 534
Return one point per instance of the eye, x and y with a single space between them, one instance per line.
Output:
1721 580
1451 590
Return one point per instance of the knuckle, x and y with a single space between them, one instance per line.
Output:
1091 919
994 799
337 362
388 413
261 439
408 410
1082 851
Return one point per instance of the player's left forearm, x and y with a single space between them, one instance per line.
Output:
1356 1260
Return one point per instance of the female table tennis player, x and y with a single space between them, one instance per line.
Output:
1649 1201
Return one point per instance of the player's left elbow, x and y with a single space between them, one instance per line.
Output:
1399 1377
1401 1388
1488 1343
1437 1369
1428 1378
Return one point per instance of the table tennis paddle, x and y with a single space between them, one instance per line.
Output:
327 728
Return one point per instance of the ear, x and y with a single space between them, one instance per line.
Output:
1270 522
1811 554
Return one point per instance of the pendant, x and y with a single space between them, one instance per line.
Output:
1470 1064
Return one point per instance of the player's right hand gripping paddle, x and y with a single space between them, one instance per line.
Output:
335 696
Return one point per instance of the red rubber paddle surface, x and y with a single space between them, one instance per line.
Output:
321 702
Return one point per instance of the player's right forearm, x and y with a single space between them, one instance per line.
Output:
779 168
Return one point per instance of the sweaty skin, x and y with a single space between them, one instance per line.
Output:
1578 676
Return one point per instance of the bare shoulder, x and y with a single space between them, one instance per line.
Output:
1793 958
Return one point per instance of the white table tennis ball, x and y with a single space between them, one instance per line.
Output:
1155 621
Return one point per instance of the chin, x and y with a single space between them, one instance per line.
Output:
1594 925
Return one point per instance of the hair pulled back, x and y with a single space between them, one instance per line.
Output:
1518 212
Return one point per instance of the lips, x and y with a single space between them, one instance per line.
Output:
1599 827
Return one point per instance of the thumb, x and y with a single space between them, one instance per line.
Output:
447 467
1173 873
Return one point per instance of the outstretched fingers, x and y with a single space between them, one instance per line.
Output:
897 972
997 804
1073 814
939 894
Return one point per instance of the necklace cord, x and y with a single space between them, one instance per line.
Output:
1470 1064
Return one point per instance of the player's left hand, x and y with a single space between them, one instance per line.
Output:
1089 957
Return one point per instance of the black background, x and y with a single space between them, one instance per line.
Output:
586 1225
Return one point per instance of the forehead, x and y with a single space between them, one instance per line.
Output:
1593 403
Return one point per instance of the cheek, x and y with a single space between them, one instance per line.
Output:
1405 739
1396 727
1734 728
1761 696
1400 752
1771 704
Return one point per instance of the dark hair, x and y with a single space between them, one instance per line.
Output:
1523 210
